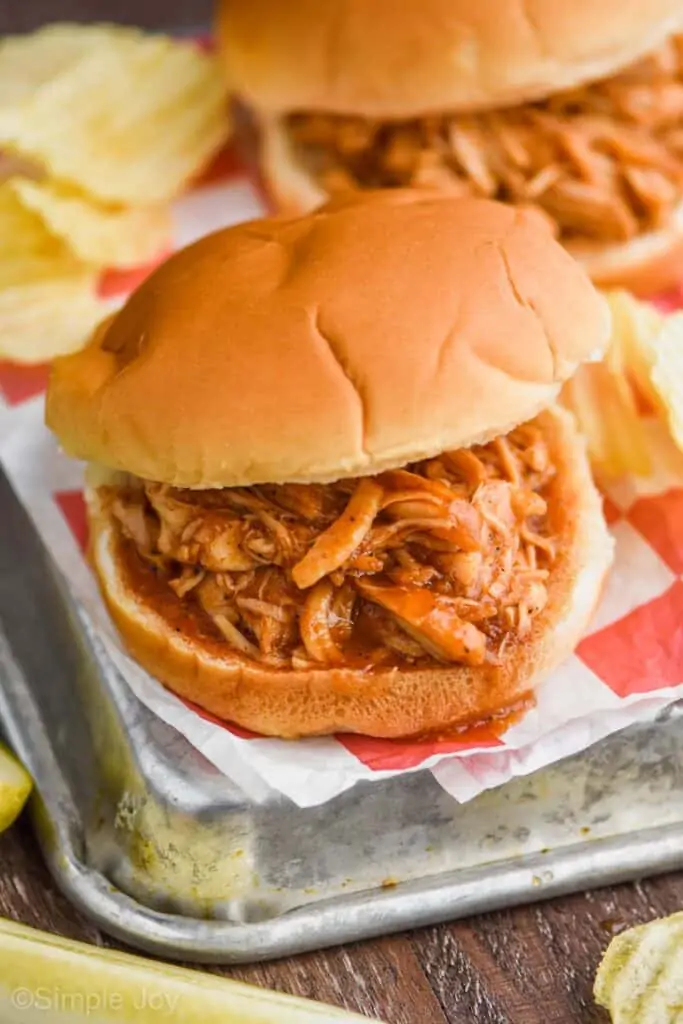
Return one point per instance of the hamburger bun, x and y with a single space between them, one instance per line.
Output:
290 186
388 702
647 265
400 324
401 60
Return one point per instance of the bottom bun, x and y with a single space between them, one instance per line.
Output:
291 188
648 264
383 702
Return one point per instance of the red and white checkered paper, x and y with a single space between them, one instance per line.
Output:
628 667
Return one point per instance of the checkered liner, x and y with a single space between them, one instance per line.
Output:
628 667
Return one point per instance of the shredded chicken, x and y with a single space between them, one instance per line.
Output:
603 162
447 559
332 548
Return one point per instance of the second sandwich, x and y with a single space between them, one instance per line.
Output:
572 107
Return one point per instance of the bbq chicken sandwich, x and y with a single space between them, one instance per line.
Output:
573 107
329 491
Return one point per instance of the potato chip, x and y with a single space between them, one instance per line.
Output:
667 373
28 251
634 327
605 408
650 347
127 117
41 321
29 62
48 303
640 979
100 235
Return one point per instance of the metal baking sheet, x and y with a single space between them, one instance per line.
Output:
165 853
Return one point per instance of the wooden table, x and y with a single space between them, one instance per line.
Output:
534 965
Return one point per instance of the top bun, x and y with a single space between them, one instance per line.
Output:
389 59
382 328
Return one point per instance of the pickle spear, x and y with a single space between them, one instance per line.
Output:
48 978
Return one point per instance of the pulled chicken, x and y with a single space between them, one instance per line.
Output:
446 560
603 162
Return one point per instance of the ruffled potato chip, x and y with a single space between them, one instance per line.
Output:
667 373
640 979
41 321
28 251
651 348
636 324
128 117
100 235
48 303
642 372
606 411
29 62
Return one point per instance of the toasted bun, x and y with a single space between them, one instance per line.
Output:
647 265
382 329
403 59
383 703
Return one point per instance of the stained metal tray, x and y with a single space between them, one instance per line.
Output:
165 853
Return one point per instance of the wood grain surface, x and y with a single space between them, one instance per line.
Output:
533 965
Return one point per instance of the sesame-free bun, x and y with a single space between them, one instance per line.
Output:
388 702
290 186
646 265
403 59
384 328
